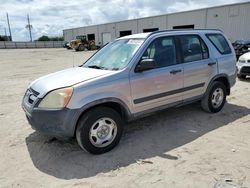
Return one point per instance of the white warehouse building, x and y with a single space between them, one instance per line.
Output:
233 20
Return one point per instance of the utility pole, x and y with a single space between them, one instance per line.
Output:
29 27
5 32
9 26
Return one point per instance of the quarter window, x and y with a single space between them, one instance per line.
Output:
162 50
193 48
220 43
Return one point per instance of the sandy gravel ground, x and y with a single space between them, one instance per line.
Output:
180 147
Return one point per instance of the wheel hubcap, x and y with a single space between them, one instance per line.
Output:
217 97
103 132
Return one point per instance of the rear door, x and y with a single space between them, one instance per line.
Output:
198 66
225 55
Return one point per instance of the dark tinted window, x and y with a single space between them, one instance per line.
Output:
193 48
220 43
125 33
150 30
162 50
183 27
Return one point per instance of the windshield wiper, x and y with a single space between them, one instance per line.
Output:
95 67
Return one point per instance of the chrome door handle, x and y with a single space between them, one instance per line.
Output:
175 71
211 63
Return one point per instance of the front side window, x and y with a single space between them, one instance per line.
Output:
114 56
162 50
193 48
220 43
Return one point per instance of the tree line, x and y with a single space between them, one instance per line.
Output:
47 38
42 38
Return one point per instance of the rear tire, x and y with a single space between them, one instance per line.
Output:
215 97
99 130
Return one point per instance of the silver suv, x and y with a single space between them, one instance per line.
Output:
132 77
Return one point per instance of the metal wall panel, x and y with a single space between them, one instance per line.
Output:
92 30
234 21
126 25
106 28
68 35
152 22
196 18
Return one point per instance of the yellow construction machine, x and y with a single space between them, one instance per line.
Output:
81 43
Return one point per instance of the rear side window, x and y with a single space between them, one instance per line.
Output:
193 48
220 43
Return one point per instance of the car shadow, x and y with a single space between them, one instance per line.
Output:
142 139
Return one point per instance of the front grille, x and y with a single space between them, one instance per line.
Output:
242 61
31 95
245 70
34 92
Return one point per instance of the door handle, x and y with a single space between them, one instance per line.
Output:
175 71
211 63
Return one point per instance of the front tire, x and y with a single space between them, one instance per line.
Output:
215 97
240 76
99 130
81 47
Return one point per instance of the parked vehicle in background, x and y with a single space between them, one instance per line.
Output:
130 78
241 47
243 65
67 45
81 43
64 44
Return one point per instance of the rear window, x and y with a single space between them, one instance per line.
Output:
193 48
220 43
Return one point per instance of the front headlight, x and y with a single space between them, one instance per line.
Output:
57 99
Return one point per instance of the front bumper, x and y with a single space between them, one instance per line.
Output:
58 122
243 69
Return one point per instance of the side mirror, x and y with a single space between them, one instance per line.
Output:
145 64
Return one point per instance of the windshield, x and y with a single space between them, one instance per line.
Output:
114 56
242 42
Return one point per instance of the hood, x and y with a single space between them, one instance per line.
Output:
245 56
65 78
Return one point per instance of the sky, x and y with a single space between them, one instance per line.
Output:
50 17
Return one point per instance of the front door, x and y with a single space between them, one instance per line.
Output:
163 84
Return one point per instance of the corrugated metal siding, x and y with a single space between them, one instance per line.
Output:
37 44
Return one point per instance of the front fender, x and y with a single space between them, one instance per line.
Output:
85 107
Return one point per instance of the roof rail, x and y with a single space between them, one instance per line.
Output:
169 30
